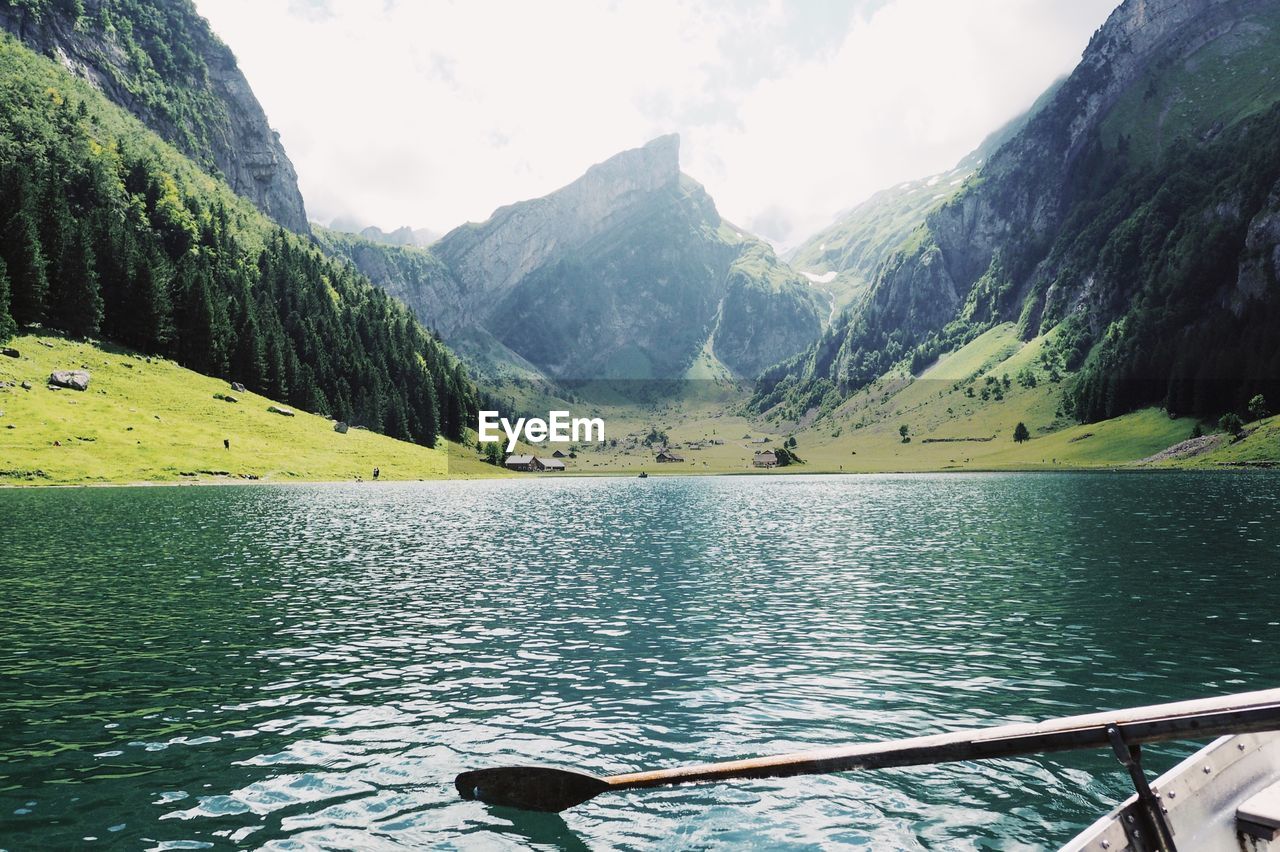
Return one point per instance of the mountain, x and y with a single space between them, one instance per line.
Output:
843 258
1131 223
403 236
628 272
412 275
159 60
108 232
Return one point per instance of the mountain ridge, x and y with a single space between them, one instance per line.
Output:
1039 235
845 256
627 272
588 206
161 62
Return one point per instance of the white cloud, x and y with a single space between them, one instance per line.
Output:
433 113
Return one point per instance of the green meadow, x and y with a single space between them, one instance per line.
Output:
950 426
149 420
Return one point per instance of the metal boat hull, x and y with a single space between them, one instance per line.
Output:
1200 797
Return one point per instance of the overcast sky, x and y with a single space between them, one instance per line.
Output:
431 113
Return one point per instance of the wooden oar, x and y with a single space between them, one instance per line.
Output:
541 788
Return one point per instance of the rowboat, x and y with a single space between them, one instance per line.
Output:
1224 797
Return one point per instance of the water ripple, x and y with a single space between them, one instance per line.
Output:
308 667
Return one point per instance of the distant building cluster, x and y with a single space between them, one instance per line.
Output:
535 464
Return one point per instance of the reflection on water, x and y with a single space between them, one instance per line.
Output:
311 666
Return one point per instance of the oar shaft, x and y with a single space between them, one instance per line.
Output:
1200 719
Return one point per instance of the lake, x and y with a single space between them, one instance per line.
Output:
310 666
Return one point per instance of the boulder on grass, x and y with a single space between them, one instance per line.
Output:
238 388
74 379
10 353
281 410
340 428
225 397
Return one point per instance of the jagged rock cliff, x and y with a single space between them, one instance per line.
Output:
1027 182
159 60
1127 214
628 272
844 257
518 239
403 236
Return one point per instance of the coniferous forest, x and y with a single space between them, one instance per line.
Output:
107 232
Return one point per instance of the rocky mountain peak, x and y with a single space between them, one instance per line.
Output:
649 167
608 189
521 237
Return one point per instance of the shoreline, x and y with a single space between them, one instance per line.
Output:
252 483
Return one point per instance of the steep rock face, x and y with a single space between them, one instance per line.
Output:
1134 185
1026 182
628 272
759 324
845 257
1260 261
520 238
412 275
634 302
159 60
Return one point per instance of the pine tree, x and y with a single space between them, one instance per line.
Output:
54 230
76 306
150 309
248 358
275 384
429 421
202 329
20 248
397 422
7 326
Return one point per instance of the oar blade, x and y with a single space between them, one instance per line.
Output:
532 788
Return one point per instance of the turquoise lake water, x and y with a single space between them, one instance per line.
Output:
308 667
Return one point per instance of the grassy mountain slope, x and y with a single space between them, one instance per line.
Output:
107 231
1199 86
962 411
1135 213
149 420
952 426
